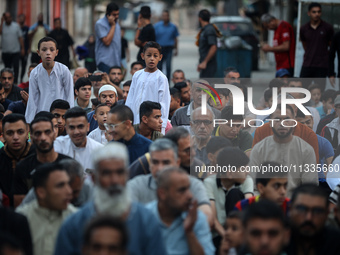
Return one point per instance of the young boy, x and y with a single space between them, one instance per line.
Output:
327 100
82 89
315 92
150 84
49 81
100 116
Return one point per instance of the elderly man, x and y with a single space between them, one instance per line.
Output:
184 228
110 197
202 127
12 92
163 152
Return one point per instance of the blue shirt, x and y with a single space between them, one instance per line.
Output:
174 236
108 55
6 103
144 232
17 107
321 111
166 34
137 146
325 151
92 121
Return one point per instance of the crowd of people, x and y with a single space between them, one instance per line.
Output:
95 164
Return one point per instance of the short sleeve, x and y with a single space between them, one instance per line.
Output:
302 34
208 183
211 36
101 31
285 33
247 186
198 191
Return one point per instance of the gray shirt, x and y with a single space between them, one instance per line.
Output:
143 188
10 38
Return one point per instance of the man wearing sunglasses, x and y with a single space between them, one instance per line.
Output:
308 215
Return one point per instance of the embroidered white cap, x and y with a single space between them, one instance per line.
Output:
107 87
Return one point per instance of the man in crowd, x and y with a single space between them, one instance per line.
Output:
231 76
185 91
316 36
182 116
82 89
15 131
111 197
12 92
119 124
126 89
166 36
202 127
298 153
150 124
105 231
136 66
79 72
58 109
3 100
207 43
163 153
116 77
42 136
283 42
187 230
308 215
64 41
178 76
23 59
108 39
12 43
76 144
175 102
46 214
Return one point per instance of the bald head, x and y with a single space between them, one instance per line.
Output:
164 178
79 72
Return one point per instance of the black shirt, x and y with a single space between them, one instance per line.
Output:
14 95
335 48
146 35
64 40
125 45
23 178
208 38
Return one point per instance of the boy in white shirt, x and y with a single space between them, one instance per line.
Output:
100 116
150 84
49 81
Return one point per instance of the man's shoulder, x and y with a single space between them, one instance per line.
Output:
145 141
90 114
27 209
93 143
210 180
102 22
140 180
28 161
298 141
181 111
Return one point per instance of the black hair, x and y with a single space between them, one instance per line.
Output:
310 189
223 92
175 93
55 19
95 101
178 71
152 44
227 114
276 83
59 104
327 94
300 114
231 156
123 113
264 177
111 7
98 106
7 240
82 82
2 110
288 107
47 39
1 114
204 15
43 171
146 108
177 133
235 215
180 85
33 65
295 79
313 4
229 70
12 118
106 221
1 86
314 86
268 94
115 67
38 119
127 83
75 112
216 143
45 114
145 12
265 210
136 63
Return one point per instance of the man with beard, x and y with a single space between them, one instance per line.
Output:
202 127
288 150
184 228
116 75
42 135
308 214
110 197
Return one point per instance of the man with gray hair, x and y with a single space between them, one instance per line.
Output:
283 42
185 229
110 197
81 190
163 153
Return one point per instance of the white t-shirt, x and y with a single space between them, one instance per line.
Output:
98 135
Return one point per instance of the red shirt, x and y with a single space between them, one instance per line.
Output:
23 85
284 32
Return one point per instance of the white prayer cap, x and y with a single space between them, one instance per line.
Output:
107 87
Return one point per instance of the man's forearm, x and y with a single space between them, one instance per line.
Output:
281 48
194 246
108 38
138 42
211 53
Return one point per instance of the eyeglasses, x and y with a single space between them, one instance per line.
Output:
111 127
316 211
199 122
